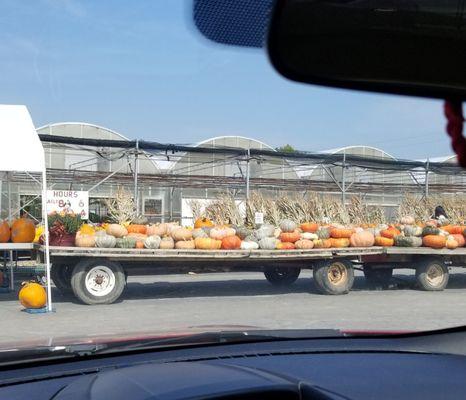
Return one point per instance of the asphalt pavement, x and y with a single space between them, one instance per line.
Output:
210 301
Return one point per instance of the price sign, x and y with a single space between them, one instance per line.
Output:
259 218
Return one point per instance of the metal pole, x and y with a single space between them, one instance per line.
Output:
136 171
46 234
247 176
343 180
10 254
426 184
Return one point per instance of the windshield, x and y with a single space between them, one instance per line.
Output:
191 188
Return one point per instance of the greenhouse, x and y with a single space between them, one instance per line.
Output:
165 180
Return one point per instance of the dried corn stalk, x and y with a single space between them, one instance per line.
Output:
196 208
224 210
121 209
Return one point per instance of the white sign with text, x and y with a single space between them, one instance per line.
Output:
68 201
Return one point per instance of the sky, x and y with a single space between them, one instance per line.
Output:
142 69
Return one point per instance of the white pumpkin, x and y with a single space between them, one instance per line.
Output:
249 245
309 236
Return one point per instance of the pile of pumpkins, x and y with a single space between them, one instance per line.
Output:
287 236
22 230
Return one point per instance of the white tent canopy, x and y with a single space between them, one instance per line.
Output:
23 151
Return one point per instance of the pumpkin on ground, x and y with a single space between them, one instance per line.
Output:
249 245
185 244
207 243
304 244
383 241
390 232
5 232
451 243
460 239
434 241
322 244
285 246
221 232
23 230
84 240
290 237
203 222
167 243
287 225
407 241
341 233
362 239
231 243
182 234
105 241
310 227
136 228
116 230
339 242
32 295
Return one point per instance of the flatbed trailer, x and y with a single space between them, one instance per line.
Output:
98 275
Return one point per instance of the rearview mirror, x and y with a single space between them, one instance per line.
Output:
414 47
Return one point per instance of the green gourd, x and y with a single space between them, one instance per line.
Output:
287 225
268 243
412 230
407 241
126 243
105 241
430 230
323 233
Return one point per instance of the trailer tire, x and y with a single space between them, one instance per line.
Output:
333 277
61 277
282 276
432 275
98 281
378 276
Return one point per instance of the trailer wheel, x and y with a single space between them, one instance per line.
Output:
98 281
61 277
432 275
378 276
333 276
282 276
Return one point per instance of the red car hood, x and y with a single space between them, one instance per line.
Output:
153 335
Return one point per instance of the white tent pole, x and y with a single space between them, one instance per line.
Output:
46 233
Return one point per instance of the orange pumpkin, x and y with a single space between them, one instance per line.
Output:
136 228
339 242
203 223
383 241
309 227
362 239
285 246
451 243
32 295
231 243
434 241
341 233
454 229
459 239
207 244
23 230
290 237
304 244
139 244
4 232
138 236
390 232
322 244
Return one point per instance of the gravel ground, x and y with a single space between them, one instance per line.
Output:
171 302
